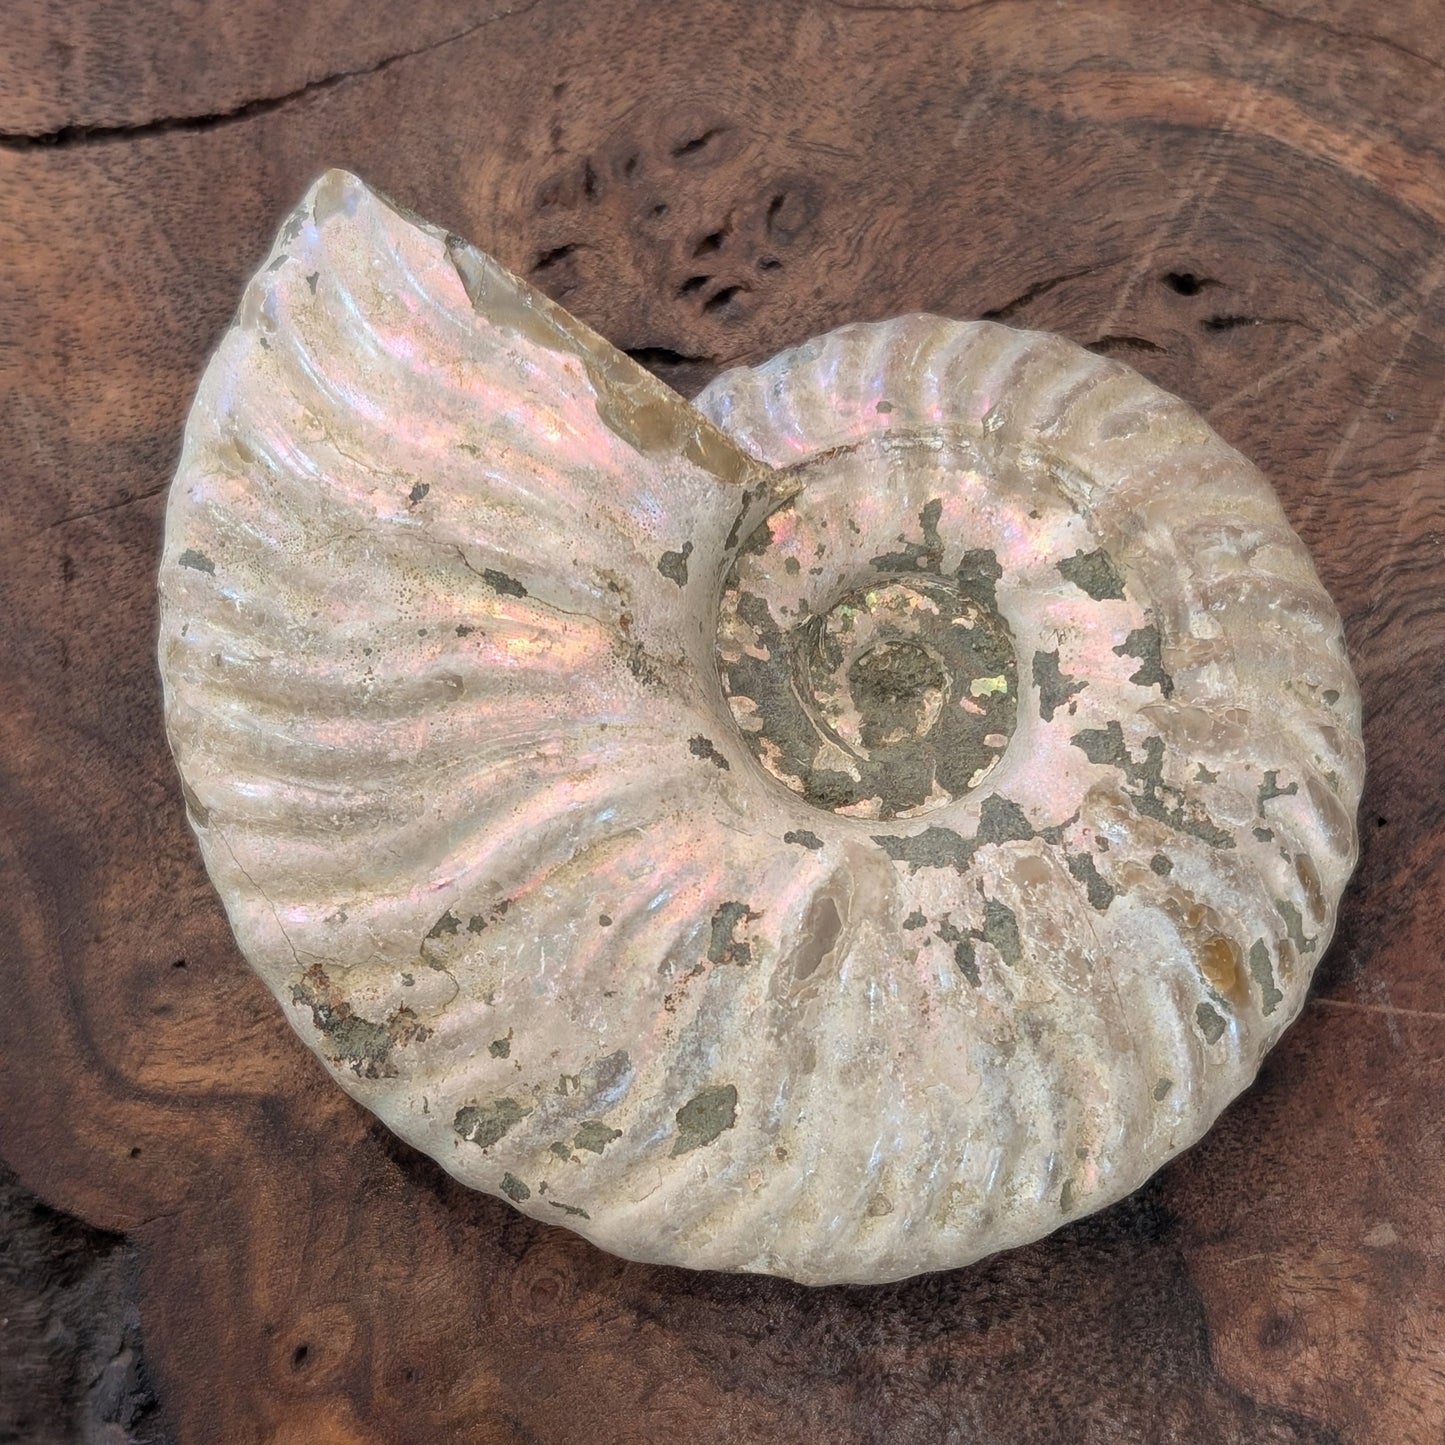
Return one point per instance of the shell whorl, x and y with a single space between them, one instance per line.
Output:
839 829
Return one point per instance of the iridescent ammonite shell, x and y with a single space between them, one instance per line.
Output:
840 828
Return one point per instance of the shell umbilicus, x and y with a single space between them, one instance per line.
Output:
840 828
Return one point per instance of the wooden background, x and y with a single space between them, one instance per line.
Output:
205 1240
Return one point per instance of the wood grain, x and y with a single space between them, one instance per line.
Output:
1246 202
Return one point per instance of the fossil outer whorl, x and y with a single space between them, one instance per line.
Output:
840 829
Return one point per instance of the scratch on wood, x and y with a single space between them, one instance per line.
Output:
1389 1010
1412 303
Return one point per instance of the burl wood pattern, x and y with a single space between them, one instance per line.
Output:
1245 201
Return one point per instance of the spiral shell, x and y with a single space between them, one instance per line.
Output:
839 829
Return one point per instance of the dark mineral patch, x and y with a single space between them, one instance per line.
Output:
1094 573
484 1124
724 946
1085 870
702 747
1001 928
1270 788
1144 643
673 565
706 1115
514 1189
594 1136
197 560
1211 1022
963 952
1262 972
1055 687
500 582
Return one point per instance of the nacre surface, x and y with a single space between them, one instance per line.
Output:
839 828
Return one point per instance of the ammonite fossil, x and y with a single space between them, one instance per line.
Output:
839 828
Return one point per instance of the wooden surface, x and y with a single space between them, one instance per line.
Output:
1246 201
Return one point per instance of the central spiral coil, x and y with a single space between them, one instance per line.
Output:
886 699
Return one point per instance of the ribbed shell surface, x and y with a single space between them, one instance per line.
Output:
487 670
